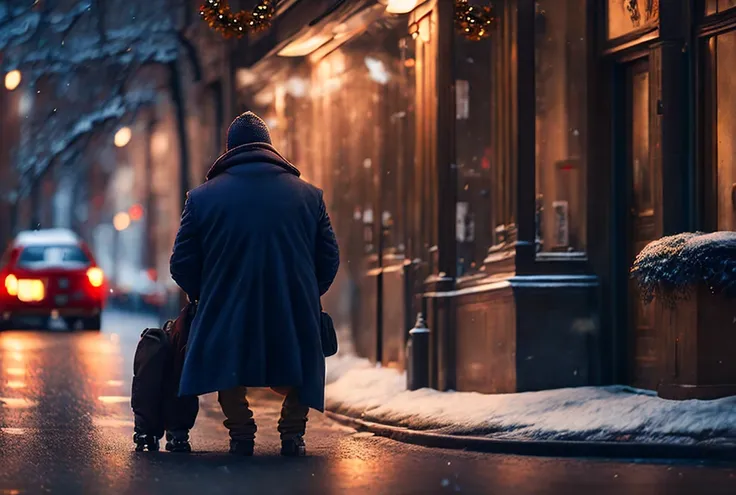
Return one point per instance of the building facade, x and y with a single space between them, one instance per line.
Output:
503 186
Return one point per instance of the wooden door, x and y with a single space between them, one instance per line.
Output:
644 208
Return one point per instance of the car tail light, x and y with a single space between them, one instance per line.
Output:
11 285
95 276
31 291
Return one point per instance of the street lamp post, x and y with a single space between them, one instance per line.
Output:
9 134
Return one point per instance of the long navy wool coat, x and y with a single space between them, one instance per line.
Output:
256 249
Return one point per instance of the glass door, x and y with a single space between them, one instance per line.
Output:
643 210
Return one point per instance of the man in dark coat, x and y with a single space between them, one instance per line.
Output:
257 250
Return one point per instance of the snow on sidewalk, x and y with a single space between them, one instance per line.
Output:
613 413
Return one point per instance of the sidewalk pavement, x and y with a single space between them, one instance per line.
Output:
612 421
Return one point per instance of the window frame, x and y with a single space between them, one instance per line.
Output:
708 28
583 157
528 261
646 32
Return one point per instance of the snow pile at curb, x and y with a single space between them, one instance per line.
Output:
345 359
613 413
341 363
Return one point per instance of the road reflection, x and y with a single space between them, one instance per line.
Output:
57 389
66 424
15 351
105 365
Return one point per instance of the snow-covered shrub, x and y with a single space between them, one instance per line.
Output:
670 267
714 255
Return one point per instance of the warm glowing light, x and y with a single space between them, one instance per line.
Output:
13 431
95 276
112 423
264 98
297 87
115 383
11 285
414 31
114 399
400 6
271 122
17 356
13 79
17 403
16 384
31 290
377 70
425 31
123 136
13 344
135 212
303 47
15 371
245 78
410 62
121 221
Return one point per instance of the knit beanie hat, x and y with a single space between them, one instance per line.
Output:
246 129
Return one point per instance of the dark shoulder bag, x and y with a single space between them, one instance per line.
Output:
328 335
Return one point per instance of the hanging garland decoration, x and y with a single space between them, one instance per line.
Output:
219 17
473 22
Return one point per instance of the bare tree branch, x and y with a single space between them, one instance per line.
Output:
35 164
91 53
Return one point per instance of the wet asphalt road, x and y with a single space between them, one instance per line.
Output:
65 427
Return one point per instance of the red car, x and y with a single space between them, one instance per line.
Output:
51 273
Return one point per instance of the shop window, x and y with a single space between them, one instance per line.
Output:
624 16
501 158
561 125
474 152
715 6
486 145
726 130
397 103
424 235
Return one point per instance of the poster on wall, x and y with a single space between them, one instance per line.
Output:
461 213
464 223
562 224
626 16
462 100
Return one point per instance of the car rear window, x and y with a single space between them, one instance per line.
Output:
52 255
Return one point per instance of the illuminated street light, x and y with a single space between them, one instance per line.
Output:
400 6
13 79
135 212
122 137
121 221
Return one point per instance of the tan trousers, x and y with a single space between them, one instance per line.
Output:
239 417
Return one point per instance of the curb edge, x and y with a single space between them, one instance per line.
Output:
542 448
